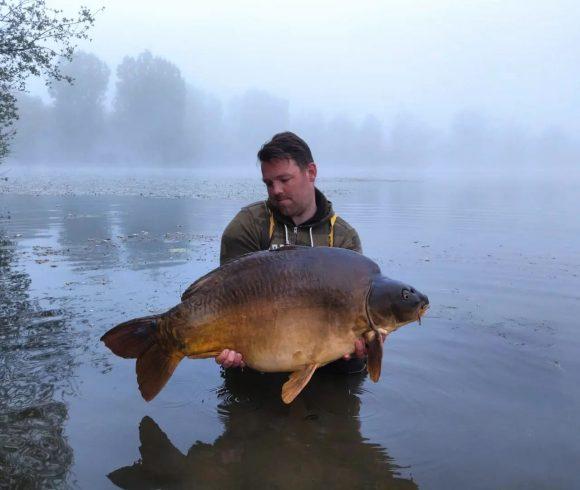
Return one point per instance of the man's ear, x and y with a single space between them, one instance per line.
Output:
311 170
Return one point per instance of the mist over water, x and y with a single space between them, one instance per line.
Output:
157 119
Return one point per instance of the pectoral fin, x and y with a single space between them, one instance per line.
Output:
375 357
296 383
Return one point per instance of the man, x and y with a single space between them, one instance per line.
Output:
296 213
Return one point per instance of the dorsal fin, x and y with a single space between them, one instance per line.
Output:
193 287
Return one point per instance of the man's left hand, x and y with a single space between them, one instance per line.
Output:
360 349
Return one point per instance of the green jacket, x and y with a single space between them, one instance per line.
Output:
260 226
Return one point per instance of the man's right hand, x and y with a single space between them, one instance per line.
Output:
230 358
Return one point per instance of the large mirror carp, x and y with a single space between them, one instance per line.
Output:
288 310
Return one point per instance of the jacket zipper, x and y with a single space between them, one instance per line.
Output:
295 235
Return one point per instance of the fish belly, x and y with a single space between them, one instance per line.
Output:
290 349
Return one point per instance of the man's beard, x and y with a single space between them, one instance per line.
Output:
288 209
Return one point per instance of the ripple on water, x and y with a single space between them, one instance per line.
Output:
35 348
243 402
189 388
370 406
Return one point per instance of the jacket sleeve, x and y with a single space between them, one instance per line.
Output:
352 242
348 238
240 237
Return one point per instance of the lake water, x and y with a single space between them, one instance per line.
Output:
485 394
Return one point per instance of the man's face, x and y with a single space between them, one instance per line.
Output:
290 188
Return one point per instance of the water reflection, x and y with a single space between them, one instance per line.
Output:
85 231
35 361
265 444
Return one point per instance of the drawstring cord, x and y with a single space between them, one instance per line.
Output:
272 226
287 241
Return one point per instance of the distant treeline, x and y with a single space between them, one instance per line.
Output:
156 117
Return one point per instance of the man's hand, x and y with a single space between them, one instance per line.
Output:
360 349
230 358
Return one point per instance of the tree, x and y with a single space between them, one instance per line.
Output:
369 146
149 109
204 126
411 142
33 39
33 141
255 117
78 107
339 141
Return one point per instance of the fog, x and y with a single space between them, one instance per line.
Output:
376 85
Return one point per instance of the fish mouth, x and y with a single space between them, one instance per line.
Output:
422 310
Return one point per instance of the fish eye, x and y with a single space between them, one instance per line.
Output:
405 293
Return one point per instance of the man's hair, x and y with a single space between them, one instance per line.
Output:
286 145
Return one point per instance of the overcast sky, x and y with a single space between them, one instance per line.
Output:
513 61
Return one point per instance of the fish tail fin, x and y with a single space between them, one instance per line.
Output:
133 338
154 368
138 339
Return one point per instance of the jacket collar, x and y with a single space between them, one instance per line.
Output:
323 212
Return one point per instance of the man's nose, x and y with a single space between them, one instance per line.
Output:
276 188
